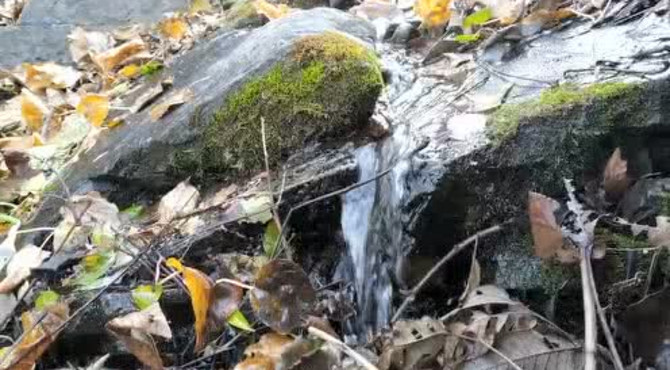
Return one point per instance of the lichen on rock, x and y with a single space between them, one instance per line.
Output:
325 88
609 103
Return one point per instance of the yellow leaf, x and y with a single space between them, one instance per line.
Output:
173 28
33 110
271 11
45 75
433 13
199 286
94 108
177 98
199 6
130 71
238 320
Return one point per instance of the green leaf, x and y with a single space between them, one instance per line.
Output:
151 68
466 39
45 299
7 219
146 295
134 211
93 267
270 239
101 238
238 320
478 18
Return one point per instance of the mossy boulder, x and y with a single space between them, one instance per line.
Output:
325 88
242 14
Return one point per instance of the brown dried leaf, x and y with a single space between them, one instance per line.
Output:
283 296
140 344
271 345
178 98
39 77
224 301
615 176
256 363
180 200
19 267
108 60
150 320
547 236
38 336
84 44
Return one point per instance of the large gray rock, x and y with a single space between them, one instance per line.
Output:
28 44
96 13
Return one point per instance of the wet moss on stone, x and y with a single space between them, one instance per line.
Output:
243 14
325 88
609 103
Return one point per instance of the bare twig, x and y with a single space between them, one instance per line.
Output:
650 274
342 347
224 348
275 211
589 314
453 252
618 364
236 283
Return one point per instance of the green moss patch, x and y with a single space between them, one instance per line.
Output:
610 103
325 88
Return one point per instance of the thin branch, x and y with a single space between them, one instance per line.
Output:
453 252
609 338
589 314
236 283
650 274
342 347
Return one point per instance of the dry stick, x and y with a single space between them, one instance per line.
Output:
589 314
342 347
236 283
224 348
275 215
453 252
650 274
618 364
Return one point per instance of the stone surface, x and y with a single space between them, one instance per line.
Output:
21 44
96 13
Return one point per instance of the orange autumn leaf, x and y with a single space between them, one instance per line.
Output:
112 58
615 176
173 28
33 110
547 236
271 11
433 13
200 287
94 108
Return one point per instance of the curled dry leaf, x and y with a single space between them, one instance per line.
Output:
283 296
41 329
414 344
95 108
140 344
83 44
615 176
33 110
271 11
199 286
177 98
18 268
174 28
547 236
225 300
181 200
150 320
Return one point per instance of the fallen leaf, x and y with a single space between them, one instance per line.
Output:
174 28
270 345
466 39
8 246
179 201
198 6
177 98
487 295
21 142
83 44
415 343
225 301
615 176
94 108
10 114
256 363
33 110
548 240
146 295
374 9
238 320
92 268
140 344
18 268
130 71
659 236
283 295
150 320
433 13
40 330
108 60
11 9
271 11
45 299
478 18
199 286
39 77
257 209
271 238
7 305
